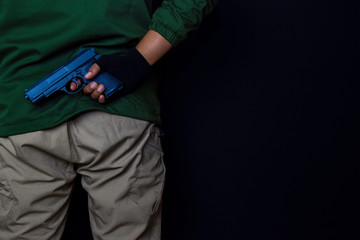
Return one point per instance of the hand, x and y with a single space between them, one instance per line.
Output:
130 69
93 88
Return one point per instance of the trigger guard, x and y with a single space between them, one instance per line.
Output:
78 87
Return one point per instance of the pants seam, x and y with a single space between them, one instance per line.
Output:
73 154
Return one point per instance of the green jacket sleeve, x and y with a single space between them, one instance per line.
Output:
174 19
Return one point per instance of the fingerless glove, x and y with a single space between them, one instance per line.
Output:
130 69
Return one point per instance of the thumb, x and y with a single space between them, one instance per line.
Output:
93 71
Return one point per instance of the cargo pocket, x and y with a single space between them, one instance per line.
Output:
7 200
147 189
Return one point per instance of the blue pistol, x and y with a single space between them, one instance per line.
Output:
75 69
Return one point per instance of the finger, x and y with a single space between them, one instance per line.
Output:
93 71
101 98
88 89
73 85
98 91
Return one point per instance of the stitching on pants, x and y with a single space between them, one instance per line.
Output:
73 154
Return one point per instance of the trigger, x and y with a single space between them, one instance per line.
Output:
79 83
71 89
76 82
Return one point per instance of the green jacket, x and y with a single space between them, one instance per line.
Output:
37 37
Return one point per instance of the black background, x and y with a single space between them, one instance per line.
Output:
261 118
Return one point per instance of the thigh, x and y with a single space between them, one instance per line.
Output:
123 172
35 185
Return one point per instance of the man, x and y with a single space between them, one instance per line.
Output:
112 143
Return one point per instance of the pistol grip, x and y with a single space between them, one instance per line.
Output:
111 83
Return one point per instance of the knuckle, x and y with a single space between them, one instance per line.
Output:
94 68
87 90
95 95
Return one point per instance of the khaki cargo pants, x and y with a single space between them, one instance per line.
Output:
119 160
